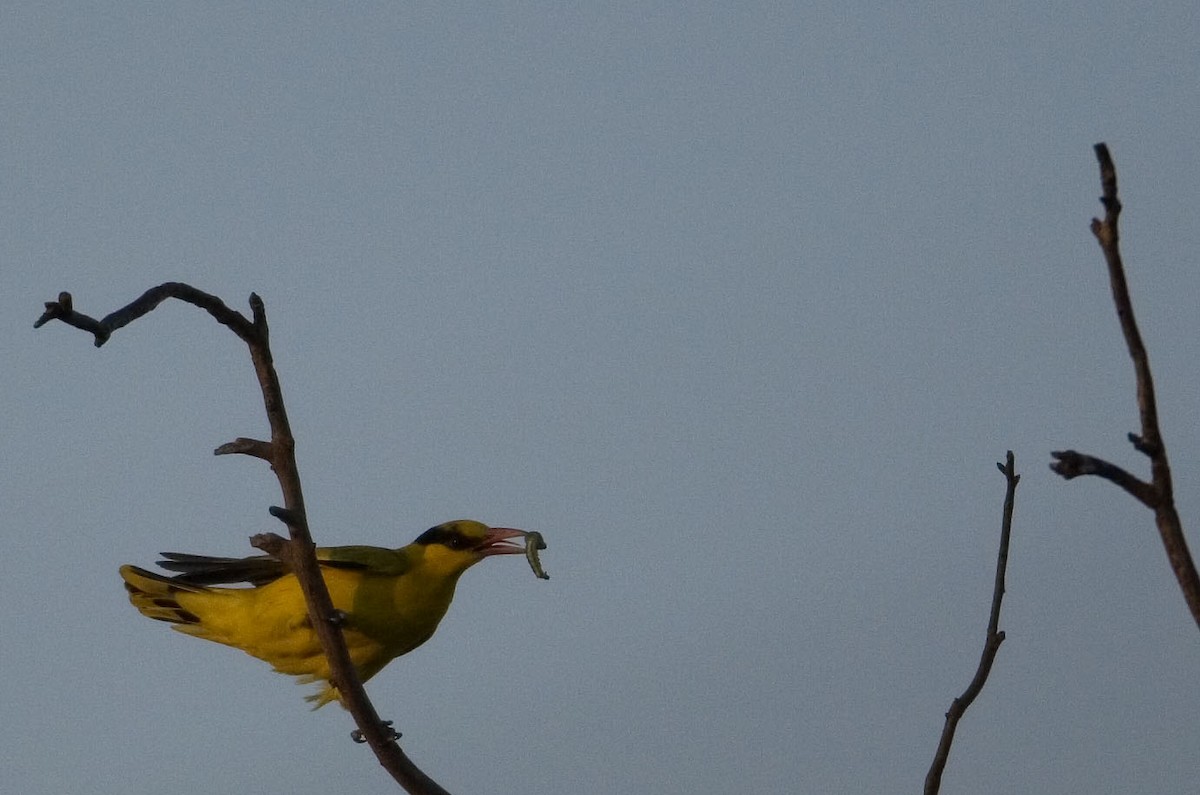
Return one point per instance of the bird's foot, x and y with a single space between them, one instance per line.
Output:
388 731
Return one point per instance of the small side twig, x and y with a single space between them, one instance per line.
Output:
933 779
244 446
1158 494
298 552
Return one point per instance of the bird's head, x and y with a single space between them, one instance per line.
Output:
454 547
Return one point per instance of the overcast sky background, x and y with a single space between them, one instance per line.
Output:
737 303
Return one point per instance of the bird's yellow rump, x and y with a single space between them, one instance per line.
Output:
392 599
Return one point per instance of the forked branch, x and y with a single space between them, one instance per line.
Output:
1158 494
991 645
298 552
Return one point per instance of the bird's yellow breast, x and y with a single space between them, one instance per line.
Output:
386 616
397 612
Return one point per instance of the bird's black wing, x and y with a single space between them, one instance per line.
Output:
207 570
262 569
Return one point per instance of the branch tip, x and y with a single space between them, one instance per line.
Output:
288 516
258 313
271 543
1143 446
250 447
1067 463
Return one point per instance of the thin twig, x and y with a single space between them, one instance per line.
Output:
933 779
1158 494
298 552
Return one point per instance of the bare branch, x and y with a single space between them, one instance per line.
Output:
1071 464
63 310
1158 494
298 552
933 779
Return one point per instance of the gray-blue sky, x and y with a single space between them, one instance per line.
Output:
737 303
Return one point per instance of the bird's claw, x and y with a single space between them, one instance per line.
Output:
338 617
391 734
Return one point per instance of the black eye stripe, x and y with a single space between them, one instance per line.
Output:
430 536
444 536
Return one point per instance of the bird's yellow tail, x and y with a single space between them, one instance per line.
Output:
155 596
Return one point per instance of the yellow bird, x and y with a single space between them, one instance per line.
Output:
393 599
